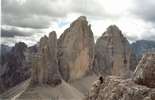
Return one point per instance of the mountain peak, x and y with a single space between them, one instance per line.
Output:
80 21
113 31
82 18
113 27
76 49
52 34
110 47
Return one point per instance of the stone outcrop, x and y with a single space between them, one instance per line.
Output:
113 55
145 71
116 88
76 50
14 68
45 63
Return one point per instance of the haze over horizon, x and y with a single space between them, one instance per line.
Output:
28 20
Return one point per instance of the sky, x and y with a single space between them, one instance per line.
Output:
28 20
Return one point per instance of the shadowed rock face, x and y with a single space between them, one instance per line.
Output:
14 69
45 64
116 88
76 50
113 55
145 71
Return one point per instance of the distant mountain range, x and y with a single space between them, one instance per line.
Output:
4 49
142 46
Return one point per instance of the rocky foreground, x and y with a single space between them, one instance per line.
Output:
141 87
65 68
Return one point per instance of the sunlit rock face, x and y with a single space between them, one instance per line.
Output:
113 55
45 64
76 50
14 68
145 71
116 88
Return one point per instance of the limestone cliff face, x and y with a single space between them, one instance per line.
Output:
145 71
45 64
113 55
76 50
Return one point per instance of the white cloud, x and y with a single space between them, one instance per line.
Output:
41 17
